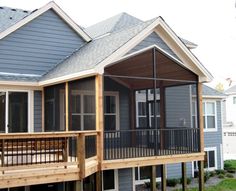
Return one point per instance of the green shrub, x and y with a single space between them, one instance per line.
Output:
231 170
189 180
220 172
227 165
228 175
206 176
212 173
172 182
221 176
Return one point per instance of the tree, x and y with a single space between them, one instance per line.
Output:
220 87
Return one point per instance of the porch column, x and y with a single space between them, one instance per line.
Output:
153 178
99 119
184 177
200 117
78 185
201 175
163 177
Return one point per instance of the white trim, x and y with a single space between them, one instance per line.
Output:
58 10
215 107
116 181
207 149
221 156
19 83
133 179
30 113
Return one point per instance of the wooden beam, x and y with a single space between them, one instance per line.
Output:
184 177
148 161
201 175
99 82
67 105
43 110
99 181
81 155
153 178
163 177
200 117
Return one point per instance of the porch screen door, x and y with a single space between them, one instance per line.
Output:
17 112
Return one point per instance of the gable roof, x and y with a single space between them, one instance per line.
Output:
210 92
52 5
231 90
9 17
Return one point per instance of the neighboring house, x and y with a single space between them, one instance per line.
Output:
230 124
212 104
69 114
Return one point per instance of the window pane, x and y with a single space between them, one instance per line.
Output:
203 107
110 104
193 121
89 122
110 122
204 122
211 158
108 179
75 106
141 108
145 172
142 121
157 108
210 122
76 122
89 104
210 108
136 173
193 108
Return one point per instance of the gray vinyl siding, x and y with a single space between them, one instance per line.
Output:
111 85
37 111
174 170
178 106
153 39
214 139
39 45
125 178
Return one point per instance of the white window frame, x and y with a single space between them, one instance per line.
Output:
117 114
30 114
215 115
116 181
207 149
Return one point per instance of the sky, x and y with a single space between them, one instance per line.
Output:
211 24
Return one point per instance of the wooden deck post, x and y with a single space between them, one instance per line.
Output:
163 177
99 118
153 178
200 117
184 177
78 185
200 175
81 155
99 181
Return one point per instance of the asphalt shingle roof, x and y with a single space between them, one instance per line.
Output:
208 91
231 90
9 17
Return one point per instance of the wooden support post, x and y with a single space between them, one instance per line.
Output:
99 181
184 177
200 117
201 175
67 105
81 155
43 111
153 178
78 185
99 118
163 177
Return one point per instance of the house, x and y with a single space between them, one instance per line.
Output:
230 124
212 104
69 116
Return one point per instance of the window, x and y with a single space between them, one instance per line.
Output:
110 180
111 111
142 174
209 115
83 110
210 159
234 100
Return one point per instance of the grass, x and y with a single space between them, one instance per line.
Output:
224 185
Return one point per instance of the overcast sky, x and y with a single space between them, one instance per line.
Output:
209 23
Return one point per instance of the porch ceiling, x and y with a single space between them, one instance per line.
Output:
137 72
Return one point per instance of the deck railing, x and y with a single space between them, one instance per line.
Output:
36 150
150 142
